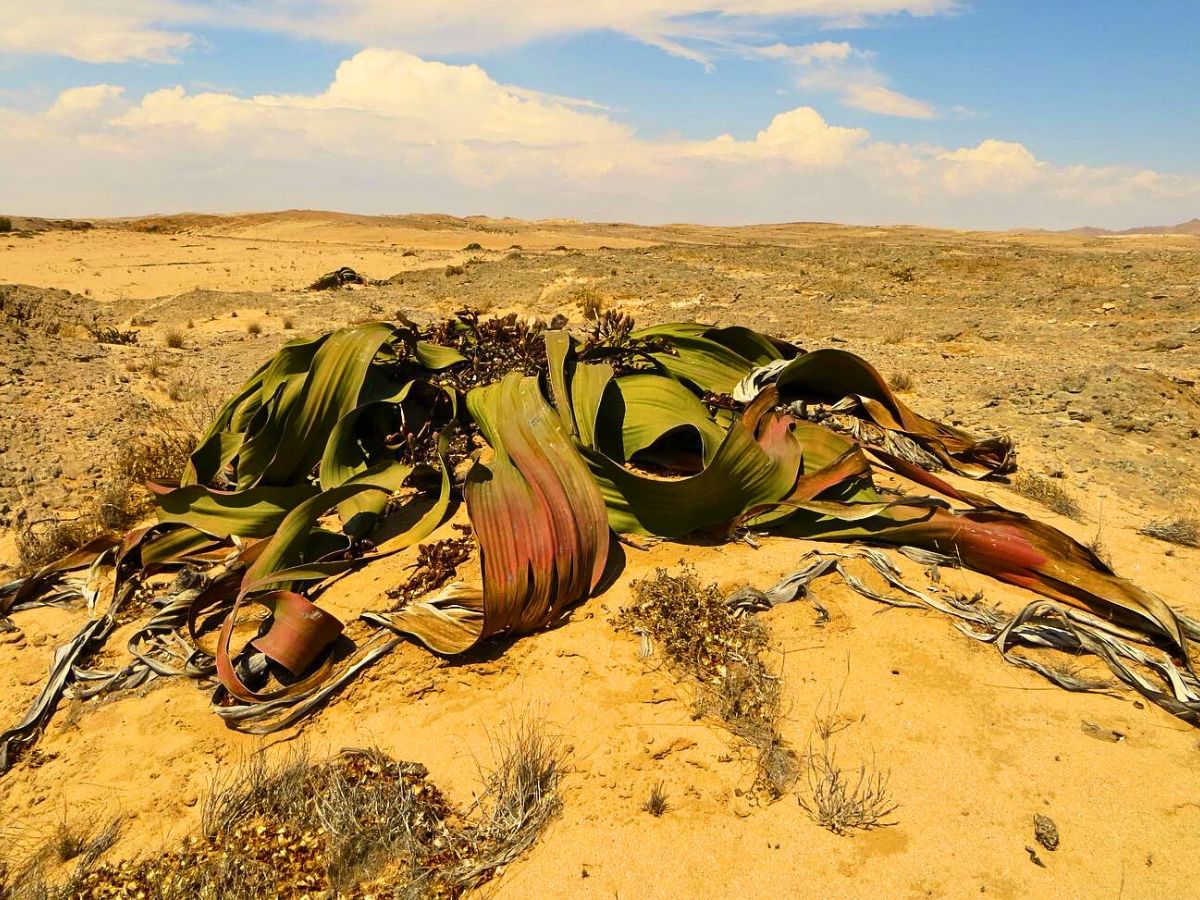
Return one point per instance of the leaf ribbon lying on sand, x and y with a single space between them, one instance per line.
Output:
831 375
666 431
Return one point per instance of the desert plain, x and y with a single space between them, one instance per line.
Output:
1084 348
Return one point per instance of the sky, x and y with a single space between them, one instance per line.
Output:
957 113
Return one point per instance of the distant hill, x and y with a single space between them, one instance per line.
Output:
1190 227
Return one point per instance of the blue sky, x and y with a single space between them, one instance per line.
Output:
993 113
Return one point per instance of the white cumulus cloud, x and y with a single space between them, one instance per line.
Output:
991 166
393 132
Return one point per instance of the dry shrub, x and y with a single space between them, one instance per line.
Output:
837 798
453 270
42 542
1046 492
288 323
109 334
362 824
902 381
254 328
474 245
719 647
1185 532
159 453
897 334
173 338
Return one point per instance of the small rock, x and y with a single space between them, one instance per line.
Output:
1045 831
1091 729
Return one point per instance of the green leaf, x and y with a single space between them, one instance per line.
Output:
253 513
330 390
696 358
435 358
741 475
286 548
639 410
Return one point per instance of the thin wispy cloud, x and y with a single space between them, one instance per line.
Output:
837 68
159 31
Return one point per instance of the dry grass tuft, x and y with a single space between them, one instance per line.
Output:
453 270
590 303
902 381
656 804
844 800
1046 492
42 542
702 637
362 824
288 323
1185 532
254 328
73 839
174 338
82 844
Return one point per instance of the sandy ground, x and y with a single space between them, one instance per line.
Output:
1085 349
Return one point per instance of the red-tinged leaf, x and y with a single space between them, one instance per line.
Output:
539 521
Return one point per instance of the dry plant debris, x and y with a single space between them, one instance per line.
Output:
436 564
336 279
361 825
1045 831
719 648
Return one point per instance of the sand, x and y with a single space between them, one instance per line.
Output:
974 747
